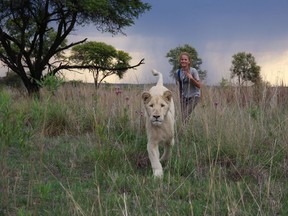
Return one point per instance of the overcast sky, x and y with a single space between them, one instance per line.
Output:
217 29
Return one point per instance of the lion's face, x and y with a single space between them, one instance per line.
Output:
157 106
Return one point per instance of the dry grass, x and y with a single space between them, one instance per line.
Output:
82 152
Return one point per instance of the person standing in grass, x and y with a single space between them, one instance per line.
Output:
189 83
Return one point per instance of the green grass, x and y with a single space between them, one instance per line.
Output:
82 153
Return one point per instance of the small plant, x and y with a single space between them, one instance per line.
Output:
23 212
254 112
13 131
44 190
52 83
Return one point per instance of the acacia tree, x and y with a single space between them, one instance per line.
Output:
173 58
33 33
245 68
103 57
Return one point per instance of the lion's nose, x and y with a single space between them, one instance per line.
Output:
156 116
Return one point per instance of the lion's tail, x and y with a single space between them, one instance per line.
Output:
160 79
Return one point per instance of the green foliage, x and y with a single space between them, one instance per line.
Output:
102 56
254 112
173 58
13 131
44 190
51 82
122 61
23 212
245 68
34 33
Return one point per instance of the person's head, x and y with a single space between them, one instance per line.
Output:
184 60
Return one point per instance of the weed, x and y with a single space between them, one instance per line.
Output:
84 153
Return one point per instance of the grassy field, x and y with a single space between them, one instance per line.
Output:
79 152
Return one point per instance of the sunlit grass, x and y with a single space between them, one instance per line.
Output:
82 152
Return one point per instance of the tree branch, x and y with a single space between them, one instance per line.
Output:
70 45
93 67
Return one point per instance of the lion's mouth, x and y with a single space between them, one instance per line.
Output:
156 122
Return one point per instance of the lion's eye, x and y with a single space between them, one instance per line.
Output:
162 105
151 105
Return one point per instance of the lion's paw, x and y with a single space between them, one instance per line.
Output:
158 173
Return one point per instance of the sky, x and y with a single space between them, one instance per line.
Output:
217 29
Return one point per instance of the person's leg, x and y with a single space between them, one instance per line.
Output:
192 104
184 109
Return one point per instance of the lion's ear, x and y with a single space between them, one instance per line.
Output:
146 96
167 95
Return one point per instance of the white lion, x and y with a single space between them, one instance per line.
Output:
160 119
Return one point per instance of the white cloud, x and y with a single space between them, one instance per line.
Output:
272 58
216 56
274 67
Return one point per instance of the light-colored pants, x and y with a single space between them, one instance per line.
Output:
187 106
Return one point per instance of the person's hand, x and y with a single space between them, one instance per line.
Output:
188 75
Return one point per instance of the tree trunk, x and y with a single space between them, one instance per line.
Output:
33 89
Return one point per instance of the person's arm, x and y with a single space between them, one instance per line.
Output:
195 82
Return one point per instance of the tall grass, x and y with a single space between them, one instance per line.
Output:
82 152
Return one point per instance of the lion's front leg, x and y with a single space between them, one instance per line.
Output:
153 153
167 151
